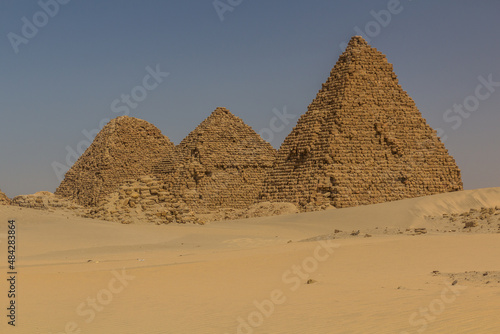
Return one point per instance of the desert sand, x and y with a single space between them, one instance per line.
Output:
78 275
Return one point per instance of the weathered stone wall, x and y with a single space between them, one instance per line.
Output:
125 148
222 163
362 141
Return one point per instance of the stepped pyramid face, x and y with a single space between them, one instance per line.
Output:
222 163
362 141
4 200
125 148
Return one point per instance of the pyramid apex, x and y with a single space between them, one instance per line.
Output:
127 122
224 138
125 117
221 110
357 41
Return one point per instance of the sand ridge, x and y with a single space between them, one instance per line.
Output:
220 272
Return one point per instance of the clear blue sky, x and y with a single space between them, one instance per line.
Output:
265 55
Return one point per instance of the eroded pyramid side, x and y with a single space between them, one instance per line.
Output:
362 141
125 148
221 163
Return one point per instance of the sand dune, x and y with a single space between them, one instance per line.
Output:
250 276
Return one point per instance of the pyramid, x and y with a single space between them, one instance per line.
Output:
222 163
361 141
4 200
125 148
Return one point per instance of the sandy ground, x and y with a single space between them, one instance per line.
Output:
78 275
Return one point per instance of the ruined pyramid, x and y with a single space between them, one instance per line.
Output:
221 163
4 200
125 148
362 141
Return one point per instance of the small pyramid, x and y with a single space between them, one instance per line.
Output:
125 148
4 200
221 163
362 141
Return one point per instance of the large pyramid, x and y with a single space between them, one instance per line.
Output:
125 148
222 163
362 141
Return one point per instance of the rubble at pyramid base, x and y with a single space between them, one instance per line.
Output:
4 200
146 200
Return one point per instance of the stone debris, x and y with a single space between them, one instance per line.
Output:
470 224
149 199
420 230
4 200
44 200
484 220
262 209
144 200
362 141
473 278
125 148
